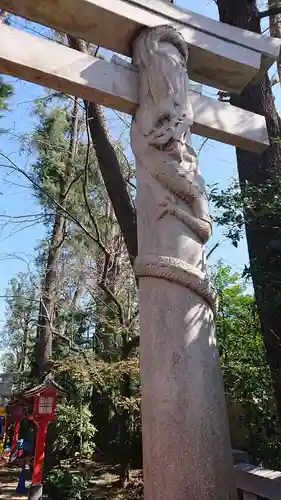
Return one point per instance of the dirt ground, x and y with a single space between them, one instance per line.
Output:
104 484
8 484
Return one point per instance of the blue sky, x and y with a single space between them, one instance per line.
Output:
217 163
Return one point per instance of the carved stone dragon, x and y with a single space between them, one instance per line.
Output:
160 136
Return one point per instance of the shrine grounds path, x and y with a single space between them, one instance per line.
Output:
8 484
104 483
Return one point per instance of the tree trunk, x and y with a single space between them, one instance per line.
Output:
110 168
275 28
125 416
24 348
126 216
255 170
124 436
48 293
47 302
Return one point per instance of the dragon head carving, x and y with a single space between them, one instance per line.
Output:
165 115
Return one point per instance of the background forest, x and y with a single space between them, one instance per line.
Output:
73 307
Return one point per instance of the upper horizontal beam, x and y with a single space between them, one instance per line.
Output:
52 65
220 56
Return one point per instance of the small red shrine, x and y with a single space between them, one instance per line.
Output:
45 398
16 411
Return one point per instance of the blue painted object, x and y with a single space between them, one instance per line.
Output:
21 488
20 444
2 427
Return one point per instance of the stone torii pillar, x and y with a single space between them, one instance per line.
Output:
186 442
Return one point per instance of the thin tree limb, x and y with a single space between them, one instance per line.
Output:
85 184
14 166
273 11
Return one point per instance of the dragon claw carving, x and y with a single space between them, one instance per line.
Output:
165 207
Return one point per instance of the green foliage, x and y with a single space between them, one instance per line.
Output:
256 205
107 379
246 373
245 370
93 313
74 431
62 153
90 289
6 92
229 210
61 484
20 328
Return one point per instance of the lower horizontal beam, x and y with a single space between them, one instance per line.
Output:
113 85
264 483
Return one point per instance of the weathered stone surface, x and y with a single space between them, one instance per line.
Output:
186 443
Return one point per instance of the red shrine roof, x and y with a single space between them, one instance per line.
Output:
16 399
48 383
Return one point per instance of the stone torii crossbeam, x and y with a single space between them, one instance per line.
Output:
186 442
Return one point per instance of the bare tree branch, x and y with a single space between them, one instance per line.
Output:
15 167
273 11
85 184
213 249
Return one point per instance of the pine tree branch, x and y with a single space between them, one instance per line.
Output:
85 185
71 217
78 350
105 268
114 299
71 184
